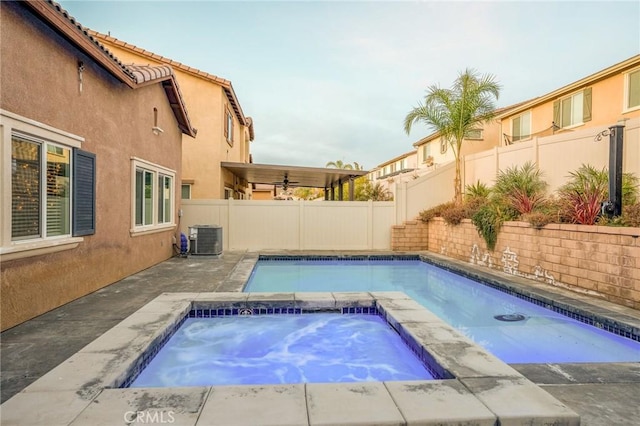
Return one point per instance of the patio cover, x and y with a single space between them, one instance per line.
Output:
312 177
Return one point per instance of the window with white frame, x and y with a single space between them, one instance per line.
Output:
632 92
228 127
403 164
153 196
521 126
50 185
40 188
444 144
426 152
571 110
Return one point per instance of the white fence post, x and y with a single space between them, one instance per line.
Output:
301 222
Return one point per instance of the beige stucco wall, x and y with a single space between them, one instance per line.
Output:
207 104
116 122
607 105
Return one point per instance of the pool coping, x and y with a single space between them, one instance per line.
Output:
83 389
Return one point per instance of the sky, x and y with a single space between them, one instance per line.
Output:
333 80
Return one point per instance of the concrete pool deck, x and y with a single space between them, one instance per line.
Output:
602 394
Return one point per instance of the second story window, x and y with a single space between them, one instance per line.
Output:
632 90
521 126
228 127
426 152
474 134
573 110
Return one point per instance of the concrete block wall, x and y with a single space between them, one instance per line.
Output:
600 261
410 236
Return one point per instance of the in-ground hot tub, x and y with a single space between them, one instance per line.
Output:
282 349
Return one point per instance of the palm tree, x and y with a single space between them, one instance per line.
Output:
339 165
454 112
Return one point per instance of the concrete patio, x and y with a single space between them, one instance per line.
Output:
602 394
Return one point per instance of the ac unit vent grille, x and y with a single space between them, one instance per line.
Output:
207 240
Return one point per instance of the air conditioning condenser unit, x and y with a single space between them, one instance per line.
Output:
205 239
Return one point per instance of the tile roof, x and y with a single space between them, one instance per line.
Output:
133 76
224 83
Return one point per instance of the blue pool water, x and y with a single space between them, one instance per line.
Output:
543 336
272 349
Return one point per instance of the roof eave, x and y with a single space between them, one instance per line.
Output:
77 35
607 72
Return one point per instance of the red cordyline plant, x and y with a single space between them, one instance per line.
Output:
583 194
522 187
524 203
583 207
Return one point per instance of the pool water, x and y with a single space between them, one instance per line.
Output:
274 349
541 336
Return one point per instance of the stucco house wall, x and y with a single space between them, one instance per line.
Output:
607 88
208 103
40 82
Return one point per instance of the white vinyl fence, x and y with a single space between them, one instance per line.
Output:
294 225
556 156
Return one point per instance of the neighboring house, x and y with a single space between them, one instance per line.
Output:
402 168
224 133
261 191
603 98
434 150
90 162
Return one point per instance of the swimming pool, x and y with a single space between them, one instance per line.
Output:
280 349
514 330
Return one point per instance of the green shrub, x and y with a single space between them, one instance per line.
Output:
582 196
489 218
521 187
487 221
587 189
477 190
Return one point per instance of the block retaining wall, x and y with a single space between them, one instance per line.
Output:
601 261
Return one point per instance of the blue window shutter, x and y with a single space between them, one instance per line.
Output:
84 193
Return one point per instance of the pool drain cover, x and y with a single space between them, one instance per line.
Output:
510 317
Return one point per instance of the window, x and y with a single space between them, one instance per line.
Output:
403 164
474 134
444 144
40 189
573 110
632 92
228 193
426 152
51 186
165 200
521 126
153 198
228 127
186 191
